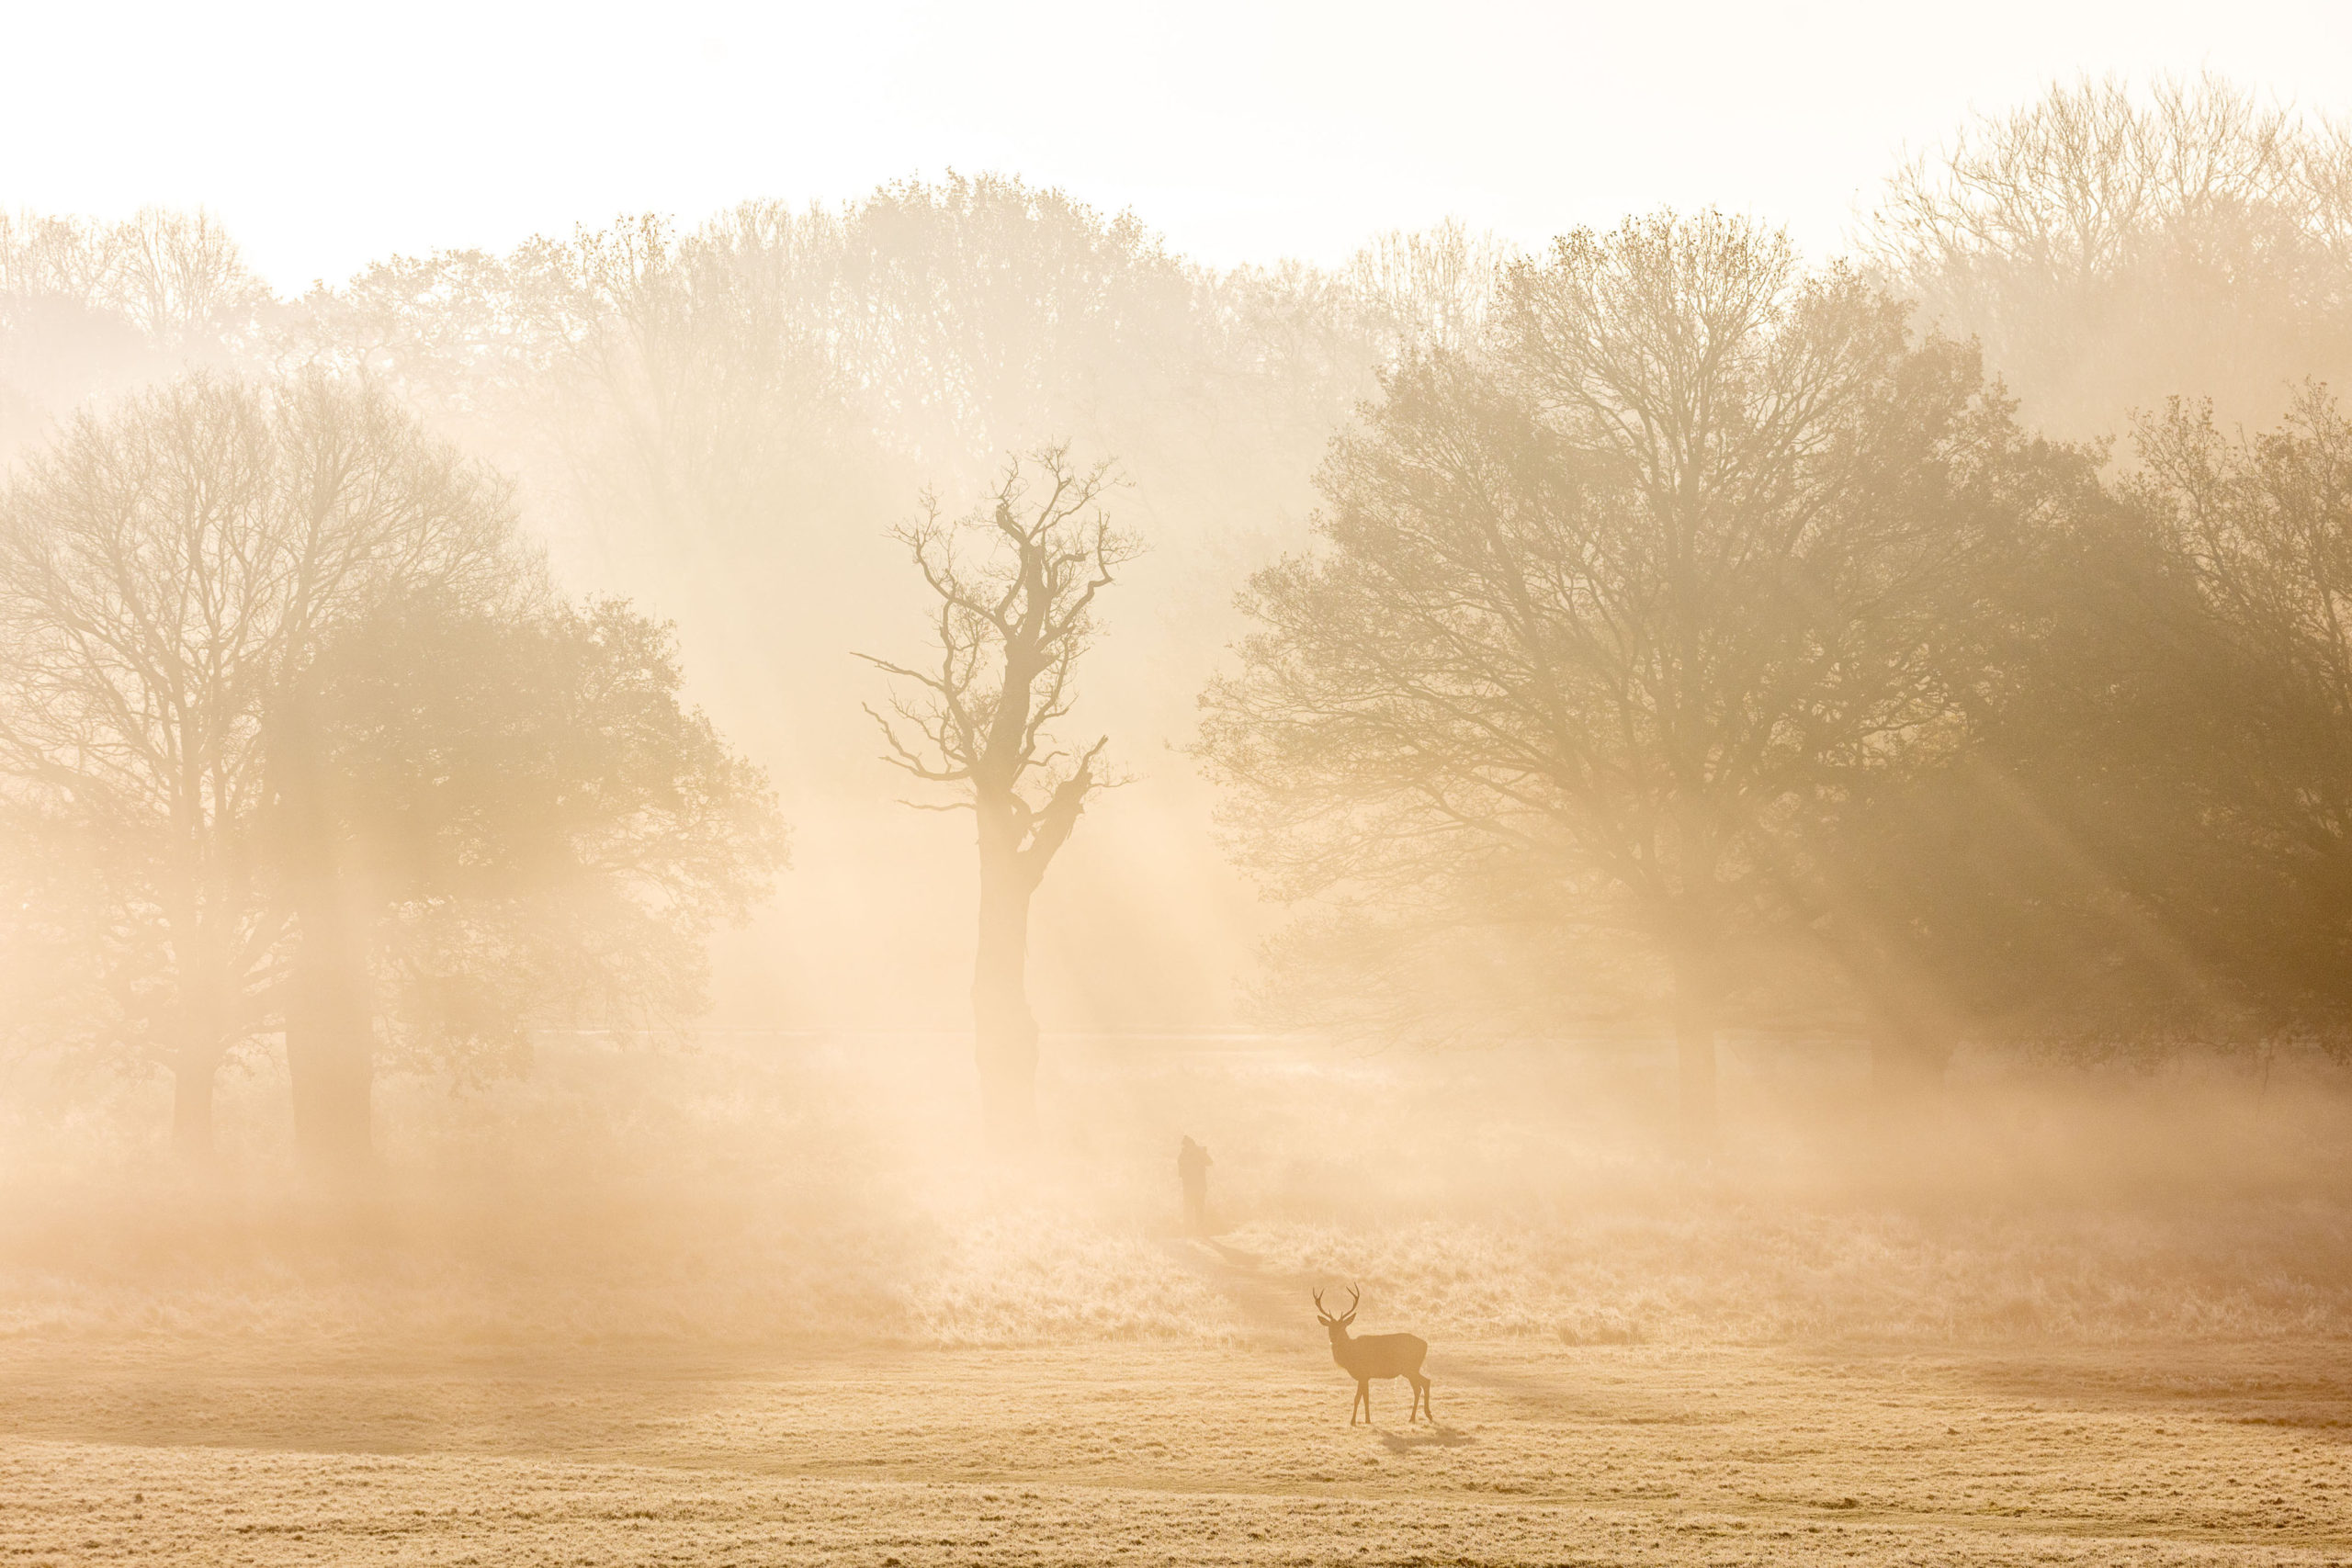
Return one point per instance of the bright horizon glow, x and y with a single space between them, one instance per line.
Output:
325 138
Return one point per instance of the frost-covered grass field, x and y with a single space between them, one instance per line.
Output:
761 1302
1101 1451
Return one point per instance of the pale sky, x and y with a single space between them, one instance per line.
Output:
325 135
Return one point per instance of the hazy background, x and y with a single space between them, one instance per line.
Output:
1239 136
1243 132
723 289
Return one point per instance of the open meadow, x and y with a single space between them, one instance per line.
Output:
756 1303
1031 785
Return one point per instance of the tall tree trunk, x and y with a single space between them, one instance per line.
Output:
1004 1030
330 1034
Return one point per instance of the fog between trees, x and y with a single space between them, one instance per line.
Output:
286 689
1659 632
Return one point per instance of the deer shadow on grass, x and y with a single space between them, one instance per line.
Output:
1427 1437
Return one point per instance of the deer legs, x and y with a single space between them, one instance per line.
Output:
1421 1406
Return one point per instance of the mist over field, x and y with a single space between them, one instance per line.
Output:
903 879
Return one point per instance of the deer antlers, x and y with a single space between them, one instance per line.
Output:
1354 1295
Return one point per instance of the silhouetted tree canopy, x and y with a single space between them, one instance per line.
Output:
2112 249
1688 632
1601 614
163 571
2262 524
544 834
2046 870
216 681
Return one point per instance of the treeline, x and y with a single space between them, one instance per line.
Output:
2109 250
299 745
1712 640
1684 630
407 812
1707 641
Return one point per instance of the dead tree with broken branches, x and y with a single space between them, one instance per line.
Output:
1015 581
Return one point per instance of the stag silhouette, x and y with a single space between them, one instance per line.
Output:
1375 1356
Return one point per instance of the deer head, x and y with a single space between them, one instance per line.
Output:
1338 1326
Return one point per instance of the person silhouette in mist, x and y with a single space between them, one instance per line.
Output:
1192 1170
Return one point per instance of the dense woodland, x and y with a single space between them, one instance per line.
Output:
1661 632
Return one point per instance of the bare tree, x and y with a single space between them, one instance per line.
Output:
44 255
90 310
528 826
165 574
1016 582
1598 613
2113 248
1432 288
177 277
2263 524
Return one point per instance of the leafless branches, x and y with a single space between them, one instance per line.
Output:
164 573
174 275
1602 606
2113 248
1015 583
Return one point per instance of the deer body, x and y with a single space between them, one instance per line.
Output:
1376 1355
